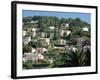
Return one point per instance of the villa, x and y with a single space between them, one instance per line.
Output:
33 57
26 39
34 32
59 48
34 22
41 34
64 25
73 48
61 42
24 33
85 29
33 50
67 24
40 50
67 32
52 27
44 41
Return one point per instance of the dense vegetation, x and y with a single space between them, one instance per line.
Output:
44 21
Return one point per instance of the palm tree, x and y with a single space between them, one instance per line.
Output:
88 55
77 58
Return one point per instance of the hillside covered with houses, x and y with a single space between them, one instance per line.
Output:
50 42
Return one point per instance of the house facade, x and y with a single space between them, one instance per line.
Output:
34 30
33 57
85 29
26 39
65 32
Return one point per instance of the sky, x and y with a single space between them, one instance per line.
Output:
83 16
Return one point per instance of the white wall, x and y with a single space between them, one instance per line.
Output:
5 41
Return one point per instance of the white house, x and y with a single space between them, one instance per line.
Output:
27 56
33 50
24 59
43 34
40 50
52 27
34 29
66 24
50 60
40 56
73 48
59 48
34 32
24 33
45 50
33 57
27 39
61 41
61 32
67 32
34 22
85 29
44 40
47 40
